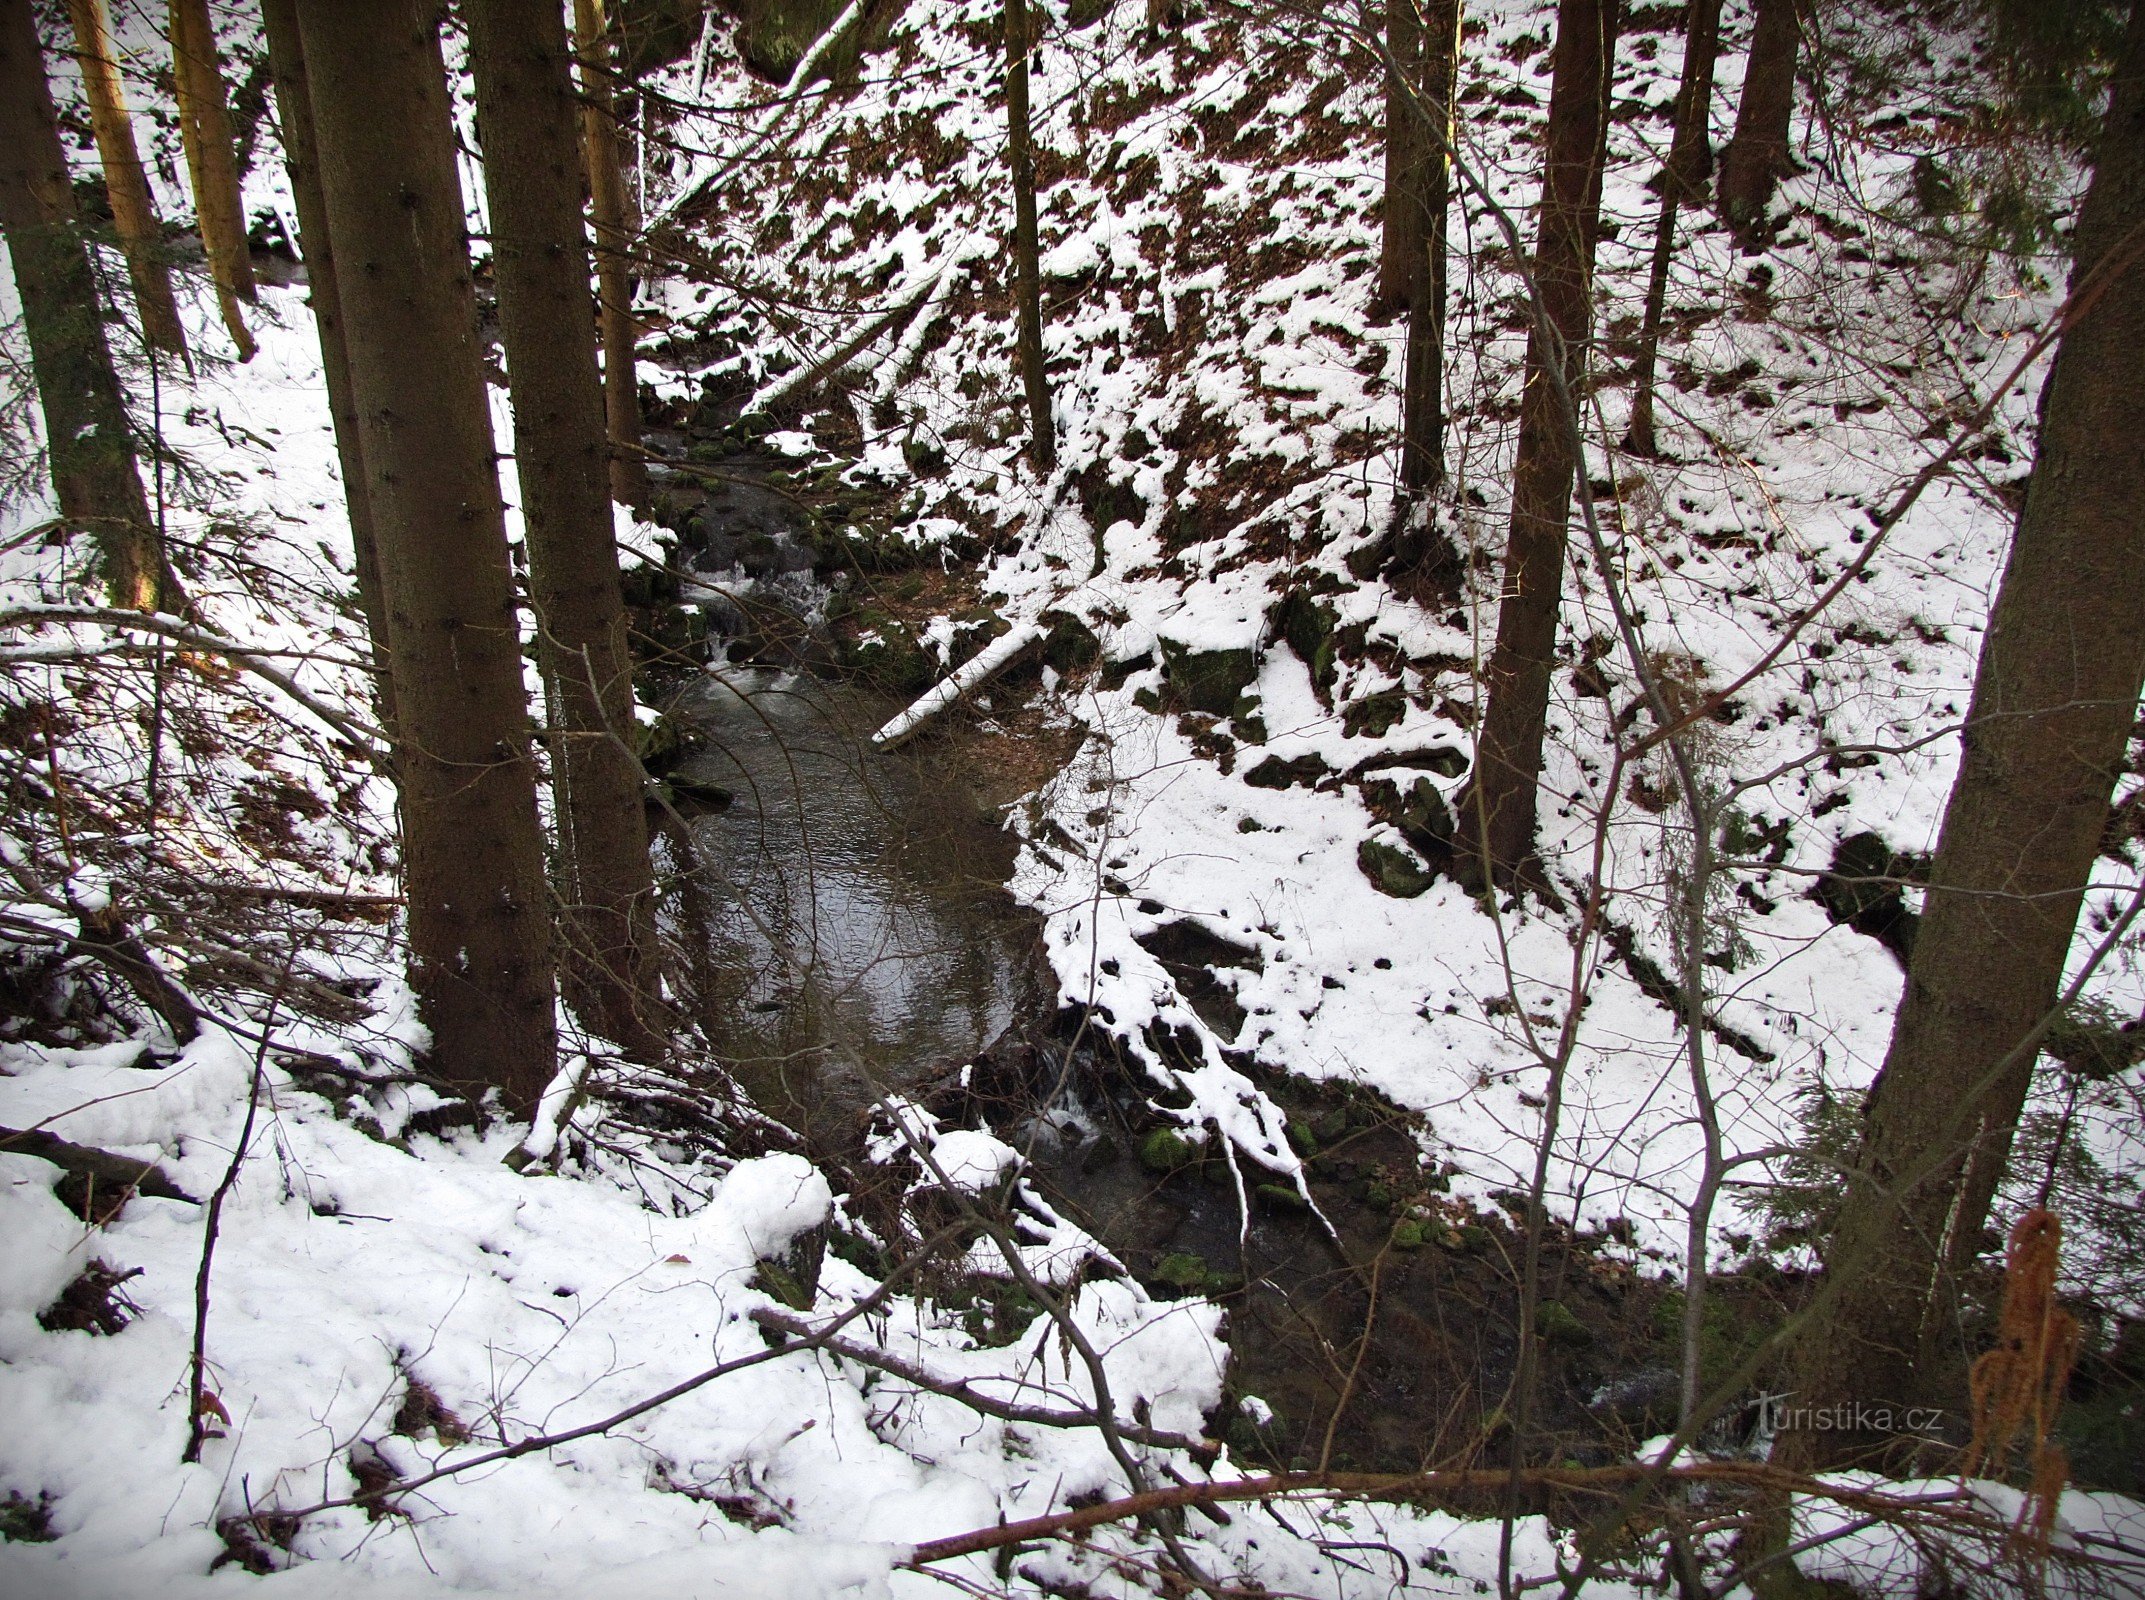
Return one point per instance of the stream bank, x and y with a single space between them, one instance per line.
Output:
861 943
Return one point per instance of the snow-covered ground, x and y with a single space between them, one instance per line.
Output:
1226 409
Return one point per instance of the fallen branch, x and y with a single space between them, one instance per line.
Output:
871 333
533 1443
182 632
105 938
1952 1504
965 1392
100 1166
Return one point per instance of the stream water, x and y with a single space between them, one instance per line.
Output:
860 938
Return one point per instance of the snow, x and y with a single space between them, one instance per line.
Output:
1209 282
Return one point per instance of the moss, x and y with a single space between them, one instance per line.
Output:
1374 716
1166 1150
776 1279
1391 870
1070 644
664 744
1182 1270
1408 1235
1207 680
883 654
25 1521
1559 1326
1274 773
1282 1196
1307 624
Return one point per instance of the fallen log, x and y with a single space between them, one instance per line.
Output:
969 676
97 1168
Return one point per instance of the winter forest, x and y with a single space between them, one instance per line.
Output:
1079 798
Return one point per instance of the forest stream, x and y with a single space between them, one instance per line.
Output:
859 942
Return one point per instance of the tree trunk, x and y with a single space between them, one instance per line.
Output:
1757 156
95 476
1422 427
2055 700
1683 183
525 109
614 259
301 155
212 163
1027 247
1500 815
125 183
480 931
1407 152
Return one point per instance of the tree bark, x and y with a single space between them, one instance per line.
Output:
1500 811
141 240
1027 246
301 156
480 932
1683 183
614 260
95 476
212 163
1422 428
1407 152
525 109
1757 156
2055 700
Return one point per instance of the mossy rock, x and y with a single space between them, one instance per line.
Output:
1182 1269
1391 870
645 587
1559 1326
925 457
1281 1197
1307 624
26 1521
1408 1235
664 744
1274 773
884 654
1208 680
697 793
1167 1150
1420 813
1070 644
1374 716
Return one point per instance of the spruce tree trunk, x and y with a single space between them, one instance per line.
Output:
1027 247
1500 812
614 260
212 163
95 476
1422 407
141 240
1757 156
473 860
609 962
301 155
1407 152
2055 701
1683 183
